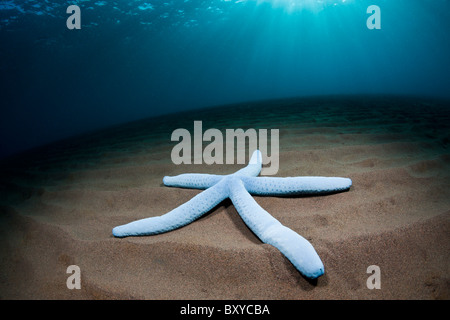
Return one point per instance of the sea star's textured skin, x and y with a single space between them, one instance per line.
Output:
238 187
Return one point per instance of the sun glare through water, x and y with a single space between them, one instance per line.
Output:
296 5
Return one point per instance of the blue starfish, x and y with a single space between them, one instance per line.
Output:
238 187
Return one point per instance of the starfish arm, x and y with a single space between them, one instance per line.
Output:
295 185
204 181
178 217
254 166
192 180
296 248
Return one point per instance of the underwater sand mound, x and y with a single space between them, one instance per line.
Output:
60 202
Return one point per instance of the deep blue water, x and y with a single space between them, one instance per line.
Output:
136 59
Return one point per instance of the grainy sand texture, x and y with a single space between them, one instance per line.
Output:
59 204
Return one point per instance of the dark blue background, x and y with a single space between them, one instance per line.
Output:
130 61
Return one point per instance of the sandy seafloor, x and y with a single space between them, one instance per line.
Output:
59 204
